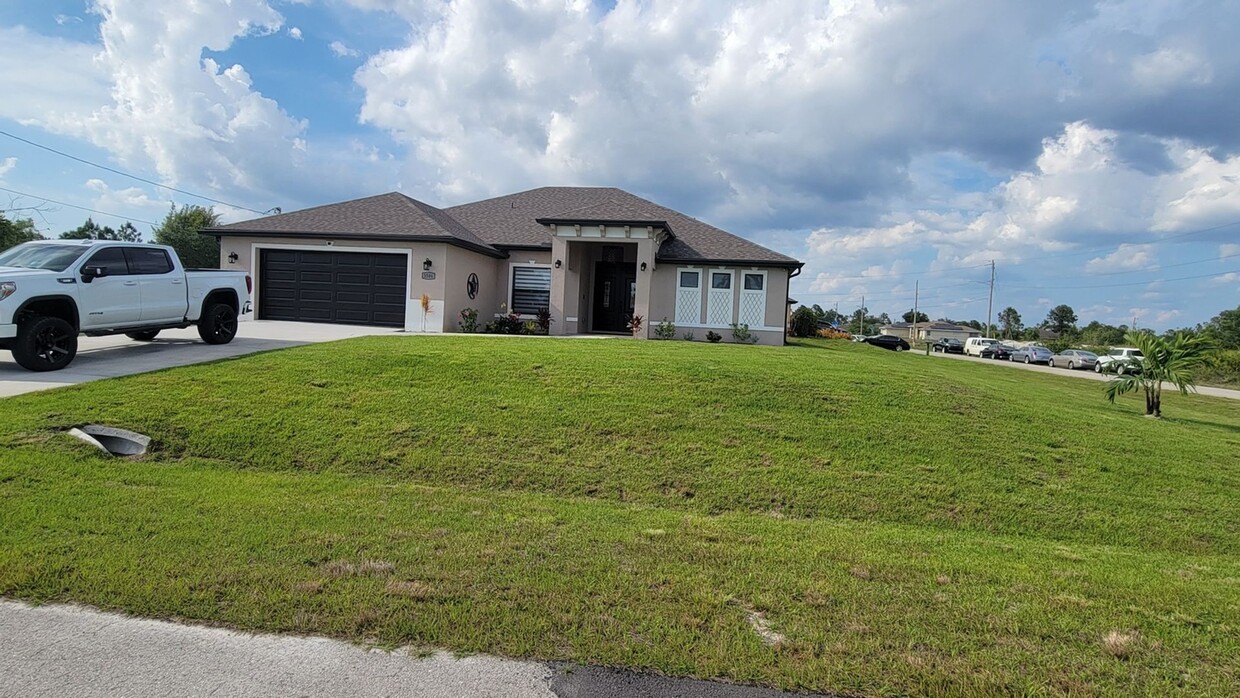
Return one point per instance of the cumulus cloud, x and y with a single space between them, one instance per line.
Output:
7 165
340 50
1126 258
295 32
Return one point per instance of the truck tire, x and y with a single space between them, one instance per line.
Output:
218 324
143 336
45 344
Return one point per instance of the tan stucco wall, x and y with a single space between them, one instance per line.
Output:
663 302
572 291
460 264
446 290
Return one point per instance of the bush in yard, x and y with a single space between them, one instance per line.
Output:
713 337
665 330
543 320
832 333
742 335
506 323
634 323
804 322
1220 368
688 337
469 320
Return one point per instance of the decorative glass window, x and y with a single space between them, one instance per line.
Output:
531 290
721 280
689 279
754 282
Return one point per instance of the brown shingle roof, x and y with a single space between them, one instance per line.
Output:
509 221
391 216
512 221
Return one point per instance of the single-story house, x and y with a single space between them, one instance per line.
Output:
593 257
929 331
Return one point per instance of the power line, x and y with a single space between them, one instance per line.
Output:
126 174
80 208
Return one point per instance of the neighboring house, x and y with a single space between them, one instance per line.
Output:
929 331
592 256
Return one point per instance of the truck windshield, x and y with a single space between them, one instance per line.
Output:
42 256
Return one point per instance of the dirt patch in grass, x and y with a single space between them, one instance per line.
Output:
342 568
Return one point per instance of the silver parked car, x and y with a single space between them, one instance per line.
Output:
1074 359
1032 355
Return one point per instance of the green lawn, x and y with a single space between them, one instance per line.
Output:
907 525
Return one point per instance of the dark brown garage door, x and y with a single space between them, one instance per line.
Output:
348 288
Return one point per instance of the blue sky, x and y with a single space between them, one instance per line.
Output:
1089 149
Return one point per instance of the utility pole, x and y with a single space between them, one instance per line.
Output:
861 317
916 292
990 302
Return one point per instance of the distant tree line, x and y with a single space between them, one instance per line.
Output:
179 230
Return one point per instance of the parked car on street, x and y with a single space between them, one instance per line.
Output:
887 342
1032 354
996 351
1120 360
948 345
51 291
1073 359
974 346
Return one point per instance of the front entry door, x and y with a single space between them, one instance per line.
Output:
615 293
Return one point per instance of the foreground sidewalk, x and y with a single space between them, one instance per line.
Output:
73 651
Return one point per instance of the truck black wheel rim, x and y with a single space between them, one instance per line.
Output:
225 324
52 345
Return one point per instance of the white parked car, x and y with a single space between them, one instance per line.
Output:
973 346
51 291
1120 360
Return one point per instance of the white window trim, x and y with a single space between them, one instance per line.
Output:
700 294
512 277
743 292
710 289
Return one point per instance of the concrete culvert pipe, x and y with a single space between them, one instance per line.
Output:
116 442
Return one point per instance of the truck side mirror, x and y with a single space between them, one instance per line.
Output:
89 274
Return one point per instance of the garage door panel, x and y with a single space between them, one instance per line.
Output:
390 280
355 288
355 279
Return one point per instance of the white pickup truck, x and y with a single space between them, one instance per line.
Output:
51 291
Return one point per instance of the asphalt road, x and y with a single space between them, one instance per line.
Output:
63 650
1085 375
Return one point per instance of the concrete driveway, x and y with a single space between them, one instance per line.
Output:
1086 375
109 357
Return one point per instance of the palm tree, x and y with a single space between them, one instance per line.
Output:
1163 361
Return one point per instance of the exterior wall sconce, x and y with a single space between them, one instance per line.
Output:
643 266
232 258
426 266
558 264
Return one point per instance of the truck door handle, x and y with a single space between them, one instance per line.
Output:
131 283
176 281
